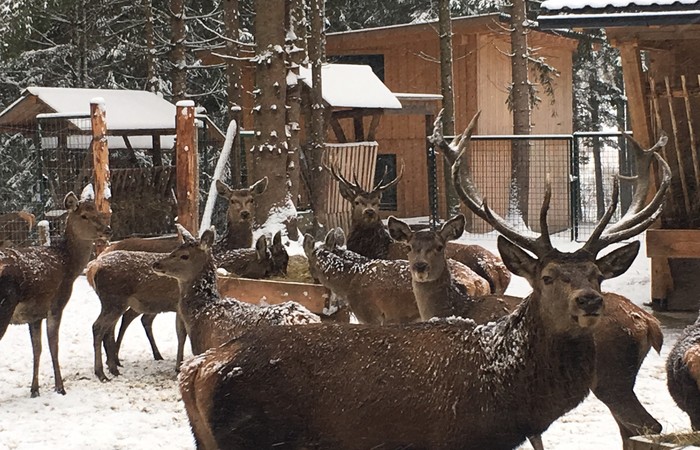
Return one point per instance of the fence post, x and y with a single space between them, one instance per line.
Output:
100 160
574 186
186 155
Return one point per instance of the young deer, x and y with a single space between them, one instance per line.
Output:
36 282
441 384
211 320
683 373
240 214
369 237
127 287
377 291
623 338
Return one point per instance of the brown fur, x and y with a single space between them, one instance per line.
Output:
43 278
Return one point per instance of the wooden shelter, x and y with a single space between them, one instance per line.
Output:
406 58
658 44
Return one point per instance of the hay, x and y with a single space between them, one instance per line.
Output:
297 270
688 438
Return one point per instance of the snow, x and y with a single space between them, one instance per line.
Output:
579 4
142 408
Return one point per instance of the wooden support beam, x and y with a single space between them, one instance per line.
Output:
187 167
338 129
359 127
100 160
372 132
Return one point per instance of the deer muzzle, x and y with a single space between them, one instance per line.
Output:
590 302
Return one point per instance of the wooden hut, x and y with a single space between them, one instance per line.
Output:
658 43
406 58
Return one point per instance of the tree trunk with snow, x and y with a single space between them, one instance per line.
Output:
446 89
295 45
317 129
232 23
152 84
520 103
269 151
178 34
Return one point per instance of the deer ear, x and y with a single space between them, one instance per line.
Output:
223 189
399 230
207 239
516 259
618 261
70 202
261 247
277 239
185 235
453 228
339 237
347 192
259 186
309 243
329 242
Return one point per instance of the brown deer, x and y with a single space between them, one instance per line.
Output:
127 287
369 237
623 338
15 227
441 384
378 291
36 282
683 373
211 320
240 214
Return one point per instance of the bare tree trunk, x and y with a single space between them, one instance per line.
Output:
446 89
597 163
152 84
178 34
270 143
296 51
520 102
316 50
232 18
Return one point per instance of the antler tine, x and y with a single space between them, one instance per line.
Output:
472 199
544 228
450 150
381 180
341 179
590 245
393 182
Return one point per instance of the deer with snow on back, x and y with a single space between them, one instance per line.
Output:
36 282
369 237
443 384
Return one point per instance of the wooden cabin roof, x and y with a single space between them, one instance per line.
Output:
618 13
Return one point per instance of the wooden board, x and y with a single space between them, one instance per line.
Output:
313 296
673 243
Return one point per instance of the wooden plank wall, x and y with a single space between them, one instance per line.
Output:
353 159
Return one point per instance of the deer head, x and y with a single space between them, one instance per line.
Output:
365 203
426 255
241 202
84 221
279 255
566 286
186 262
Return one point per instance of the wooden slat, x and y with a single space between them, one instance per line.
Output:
673 243
312 296
659 127
681 165
691 132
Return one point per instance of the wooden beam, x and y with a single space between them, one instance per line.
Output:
359 127
337 129
187 167
634 89
100 160
372 132
681 243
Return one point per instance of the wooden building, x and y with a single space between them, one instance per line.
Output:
658 43
406 58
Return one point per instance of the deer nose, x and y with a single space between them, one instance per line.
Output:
420 266
590 302
108 231
370 212
245 215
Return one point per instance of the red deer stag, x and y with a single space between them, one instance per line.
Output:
15 228
442 384
36 282
369 237
683 373
378 291
127 286
211 320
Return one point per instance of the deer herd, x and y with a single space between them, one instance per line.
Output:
441 358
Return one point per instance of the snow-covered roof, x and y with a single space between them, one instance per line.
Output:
553 5
352 86
617 13
126 109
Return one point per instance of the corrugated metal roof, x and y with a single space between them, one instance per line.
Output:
559 5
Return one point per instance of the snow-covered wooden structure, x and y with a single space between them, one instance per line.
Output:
141 130
407 58
658 42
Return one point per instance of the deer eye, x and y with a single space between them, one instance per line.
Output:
184 257
357 202
84 216
547 280
440 248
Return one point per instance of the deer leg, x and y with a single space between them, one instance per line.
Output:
147 322
9 299
104 325
536 442
127 318
110 346
181 332
53 322
35 336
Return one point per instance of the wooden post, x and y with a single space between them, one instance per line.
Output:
186 156
100 160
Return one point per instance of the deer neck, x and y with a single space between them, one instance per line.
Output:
238 235
77 251
370 240
200 291
435 298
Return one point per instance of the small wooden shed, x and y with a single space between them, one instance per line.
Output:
658 43
406 58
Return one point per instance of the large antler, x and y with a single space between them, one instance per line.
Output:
383 187
355 187
639 216
451 150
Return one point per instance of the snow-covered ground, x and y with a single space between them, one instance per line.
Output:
141 409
